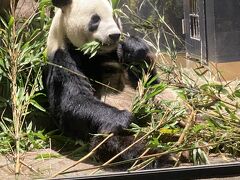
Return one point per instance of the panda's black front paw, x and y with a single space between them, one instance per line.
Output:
133 49
118 124
124 120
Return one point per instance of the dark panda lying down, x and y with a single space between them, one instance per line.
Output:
74 98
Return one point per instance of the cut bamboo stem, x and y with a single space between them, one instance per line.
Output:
143 154
187 127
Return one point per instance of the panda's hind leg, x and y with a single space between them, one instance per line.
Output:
117 145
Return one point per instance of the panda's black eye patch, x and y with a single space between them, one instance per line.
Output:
95 18
94 23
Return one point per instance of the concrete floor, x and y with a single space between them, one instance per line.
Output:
229 70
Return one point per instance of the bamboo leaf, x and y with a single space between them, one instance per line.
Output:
36 105
115 3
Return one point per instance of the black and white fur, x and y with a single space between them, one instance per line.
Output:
74 94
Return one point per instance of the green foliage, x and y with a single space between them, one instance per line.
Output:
47 156
30 138
114 3
211 106
143 103
22 52
203 118
91 48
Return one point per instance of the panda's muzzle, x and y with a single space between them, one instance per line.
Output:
114 37
112 40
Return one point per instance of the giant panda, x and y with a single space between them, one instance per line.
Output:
74 82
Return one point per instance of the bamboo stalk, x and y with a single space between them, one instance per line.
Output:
13 54
143 154
29 166
142 165
14 108
187 127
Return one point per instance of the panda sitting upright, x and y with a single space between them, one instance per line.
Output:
74 82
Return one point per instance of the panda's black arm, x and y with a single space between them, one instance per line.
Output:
85 114
134 52
73 104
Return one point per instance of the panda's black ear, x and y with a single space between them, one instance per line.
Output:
61 3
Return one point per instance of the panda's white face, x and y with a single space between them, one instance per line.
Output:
87 20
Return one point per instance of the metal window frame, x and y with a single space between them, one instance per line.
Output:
195 35
194 20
